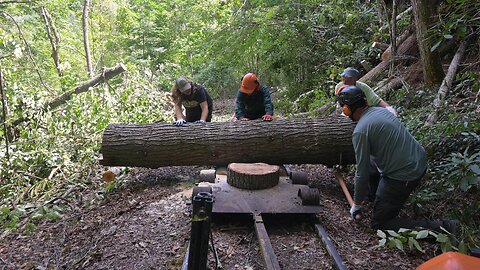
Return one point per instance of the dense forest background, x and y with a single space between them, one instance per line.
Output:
68 68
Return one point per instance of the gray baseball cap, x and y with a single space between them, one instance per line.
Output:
183 84
350 72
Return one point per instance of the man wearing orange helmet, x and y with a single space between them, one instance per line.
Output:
253 100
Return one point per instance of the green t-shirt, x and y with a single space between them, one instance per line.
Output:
372 98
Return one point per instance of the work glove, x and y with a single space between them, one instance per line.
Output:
200 121
244 119
267 117
392 110
356 212
180 122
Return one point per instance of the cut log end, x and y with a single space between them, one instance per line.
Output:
252 175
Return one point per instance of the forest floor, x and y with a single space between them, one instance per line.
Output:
146 224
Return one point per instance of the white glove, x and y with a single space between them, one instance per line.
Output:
180 122
200 121
392 110
355 211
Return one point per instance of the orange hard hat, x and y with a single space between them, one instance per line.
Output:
249 83
451 260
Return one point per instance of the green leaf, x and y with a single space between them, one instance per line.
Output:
393 233
448 36
30 228
417 246
442 238
381 234
475 168
434 47
37 216
382 242
398 244
422 234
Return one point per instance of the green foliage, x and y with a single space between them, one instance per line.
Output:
463 170
457 16
407 238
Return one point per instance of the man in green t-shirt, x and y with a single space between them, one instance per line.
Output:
350 76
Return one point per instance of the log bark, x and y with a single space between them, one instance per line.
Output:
379 45
252 175
447 82
307 141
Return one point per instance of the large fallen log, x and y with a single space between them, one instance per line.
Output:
308 141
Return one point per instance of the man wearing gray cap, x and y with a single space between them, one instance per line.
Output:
350 76
198 104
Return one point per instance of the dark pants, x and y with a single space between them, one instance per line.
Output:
390 197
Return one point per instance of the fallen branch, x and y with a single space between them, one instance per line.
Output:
104 76
447 83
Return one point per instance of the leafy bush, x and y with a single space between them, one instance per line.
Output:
407 238
463 170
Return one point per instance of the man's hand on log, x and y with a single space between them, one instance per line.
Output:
267 117
180 122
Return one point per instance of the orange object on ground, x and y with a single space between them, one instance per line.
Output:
451 261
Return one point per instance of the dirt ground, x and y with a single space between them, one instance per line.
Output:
146 225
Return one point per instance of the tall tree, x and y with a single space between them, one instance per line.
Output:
86 43
432 67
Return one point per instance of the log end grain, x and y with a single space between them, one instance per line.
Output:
252 175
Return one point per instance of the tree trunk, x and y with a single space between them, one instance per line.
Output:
447 83
252 175
432 66
5 117
86 43
325 141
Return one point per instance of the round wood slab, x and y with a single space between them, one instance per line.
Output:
252 175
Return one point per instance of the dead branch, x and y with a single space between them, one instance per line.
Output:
447 83
104 76
398 17
54 38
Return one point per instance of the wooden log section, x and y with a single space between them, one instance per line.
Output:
252 175
325 141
